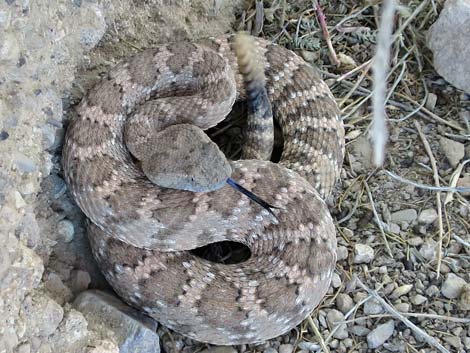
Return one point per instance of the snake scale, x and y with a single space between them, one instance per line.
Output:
141 234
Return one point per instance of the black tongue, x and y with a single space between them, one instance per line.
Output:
252 196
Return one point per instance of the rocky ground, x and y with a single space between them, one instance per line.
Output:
402 282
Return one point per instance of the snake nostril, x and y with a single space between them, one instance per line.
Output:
224 252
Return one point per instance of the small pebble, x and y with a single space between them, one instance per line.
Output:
348 342
402 290
431 101
415 241
334 316
19 200
80 280
453 150
359 330
380 334
270 350
454 341
452 286
394 228
418 299
403 307
432 291
286 348
466 342
427 216
429 249
342 253
66 229
464 302
409 215
309 346
372 307
359 296
344 303
363 254
336 280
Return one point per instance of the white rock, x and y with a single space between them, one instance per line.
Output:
448 40
452 286
363 254
380 334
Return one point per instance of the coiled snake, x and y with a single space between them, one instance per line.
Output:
141 233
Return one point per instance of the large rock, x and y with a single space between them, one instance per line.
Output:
106 314
448 39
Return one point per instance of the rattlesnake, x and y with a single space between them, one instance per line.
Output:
140 233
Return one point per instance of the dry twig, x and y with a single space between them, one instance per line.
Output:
318 334
379 222
438 194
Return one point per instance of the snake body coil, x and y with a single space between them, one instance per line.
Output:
141 234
